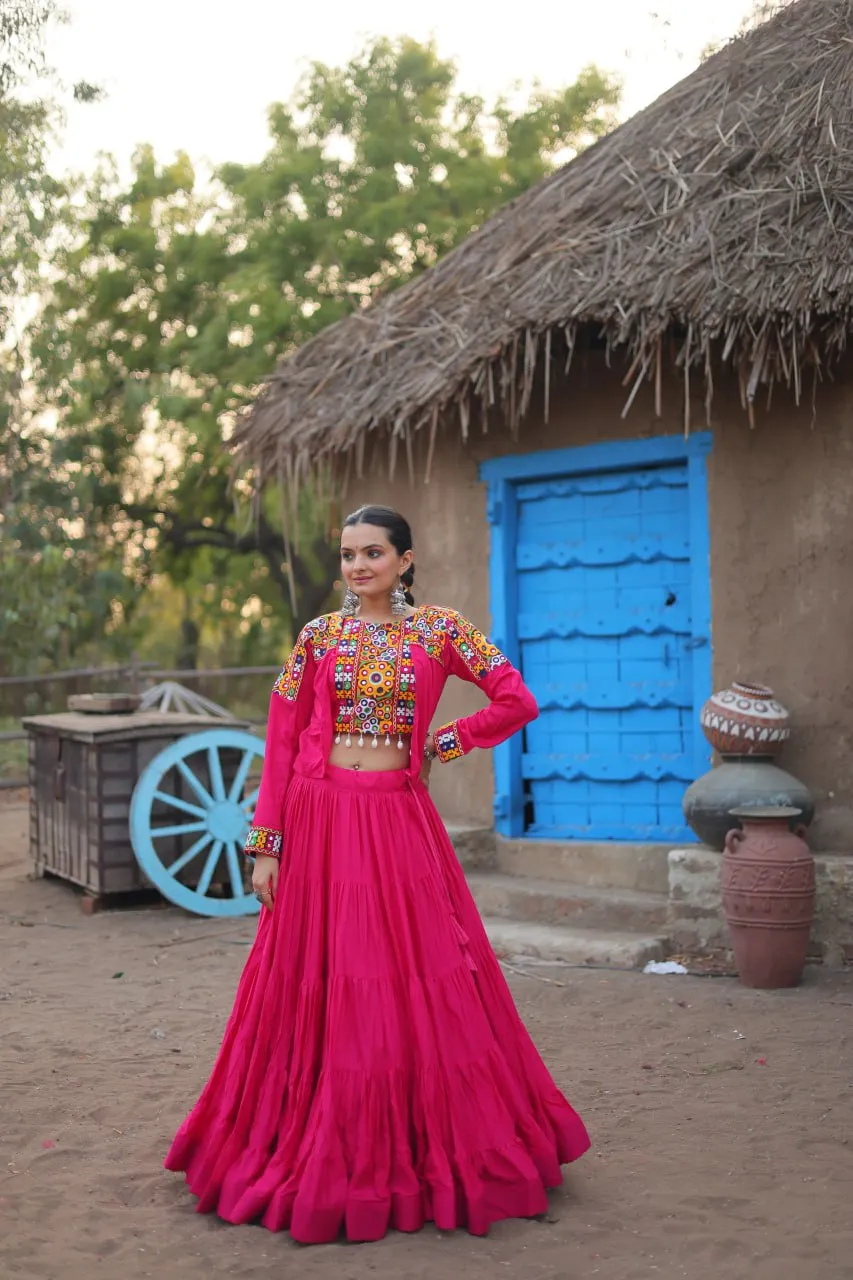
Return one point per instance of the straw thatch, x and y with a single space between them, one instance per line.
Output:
722 214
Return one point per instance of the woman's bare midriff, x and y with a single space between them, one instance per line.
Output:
370 759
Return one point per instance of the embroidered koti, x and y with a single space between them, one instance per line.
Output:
313 641
347 679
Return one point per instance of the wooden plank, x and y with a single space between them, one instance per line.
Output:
581 552
139 724
502 512
585 621
621 455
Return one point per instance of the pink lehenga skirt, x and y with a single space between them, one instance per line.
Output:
374 1072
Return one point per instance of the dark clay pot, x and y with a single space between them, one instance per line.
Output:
768 897
741 783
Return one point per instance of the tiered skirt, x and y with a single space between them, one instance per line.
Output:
374 1073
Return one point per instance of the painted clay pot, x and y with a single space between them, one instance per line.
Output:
745 782
745 720
768 897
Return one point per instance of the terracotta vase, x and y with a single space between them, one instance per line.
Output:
768 897
745 720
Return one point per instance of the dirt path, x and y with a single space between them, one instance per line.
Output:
722 1119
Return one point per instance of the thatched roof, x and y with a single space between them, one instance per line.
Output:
723 213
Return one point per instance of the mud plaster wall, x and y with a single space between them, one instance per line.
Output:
781 518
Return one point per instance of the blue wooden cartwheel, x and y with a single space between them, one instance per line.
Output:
197 788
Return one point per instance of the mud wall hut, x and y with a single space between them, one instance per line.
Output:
620 419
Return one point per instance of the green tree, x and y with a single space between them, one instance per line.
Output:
28 196
174 300
56 587
61 588
30 199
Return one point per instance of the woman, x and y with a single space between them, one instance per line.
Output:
374 1072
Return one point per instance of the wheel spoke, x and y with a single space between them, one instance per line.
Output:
183 829
209 868
240 777
192 781
232 853
186 858
248 803
214 764
177 803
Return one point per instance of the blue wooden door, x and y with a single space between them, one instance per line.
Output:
609 629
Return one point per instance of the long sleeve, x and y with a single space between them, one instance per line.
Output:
290 711
472 658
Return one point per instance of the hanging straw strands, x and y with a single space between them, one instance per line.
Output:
716 225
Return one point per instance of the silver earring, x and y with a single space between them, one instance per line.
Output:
350 604
399 603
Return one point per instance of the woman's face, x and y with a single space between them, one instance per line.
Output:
369 564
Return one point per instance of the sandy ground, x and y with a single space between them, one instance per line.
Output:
722 1119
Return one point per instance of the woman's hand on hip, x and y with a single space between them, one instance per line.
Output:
265 879
429 757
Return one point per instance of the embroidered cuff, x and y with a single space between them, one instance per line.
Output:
448 744
263 840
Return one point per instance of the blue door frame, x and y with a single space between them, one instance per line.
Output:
502 476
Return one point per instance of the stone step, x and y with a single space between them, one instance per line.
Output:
475 846
517 941
553 902
595 864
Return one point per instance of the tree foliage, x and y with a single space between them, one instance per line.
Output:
172 299
28 195
49 593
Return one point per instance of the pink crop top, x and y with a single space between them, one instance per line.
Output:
368 683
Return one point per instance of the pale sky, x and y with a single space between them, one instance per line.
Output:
198 75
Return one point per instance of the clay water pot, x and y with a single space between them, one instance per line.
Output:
745 720
768 886
741 782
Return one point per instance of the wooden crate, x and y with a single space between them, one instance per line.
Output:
82 773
